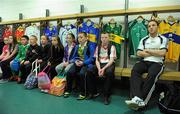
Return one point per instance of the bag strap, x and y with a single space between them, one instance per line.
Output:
47 66
37 66
33 66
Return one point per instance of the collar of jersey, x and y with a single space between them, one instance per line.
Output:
171 24
69 27
109 24
155 36
85 24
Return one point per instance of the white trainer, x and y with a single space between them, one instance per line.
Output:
135 103
3 81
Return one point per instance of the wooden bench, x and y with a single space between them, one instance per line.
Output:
167 75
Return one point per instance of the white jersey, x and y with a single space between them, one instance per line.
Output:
103 55
63 32
157 43
33 30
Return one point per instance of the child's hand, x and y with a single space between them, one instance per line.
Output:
79 63
76 62
65 64
39 60
22 62
101 72
11 62
3 59
26 62
49 63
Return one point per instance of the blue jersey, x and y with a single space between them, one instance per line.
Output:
92 30
50 31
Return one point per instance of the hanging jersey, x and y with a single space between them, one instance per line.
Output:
173 47
19 33
173 52
167 27
131 51
115 37
170 51
7 32
164 27
50 31
92 30
112 29
172 32
33 30
138 30
63 32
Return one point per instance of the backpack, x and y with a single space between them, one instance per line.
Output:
169 102
44 81
32 81
58 85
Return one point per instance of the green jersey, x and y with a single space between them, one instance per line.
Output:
115 30
137 30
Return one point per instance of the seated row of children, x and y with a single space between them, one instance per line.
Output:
82 62
85 61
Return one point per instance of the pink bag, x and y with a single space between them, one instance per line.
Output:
43 80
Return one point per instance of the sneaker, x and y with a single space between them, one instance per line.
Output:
92 96
3 81
81 97
135 103
66 94
44 90
128 102
96 95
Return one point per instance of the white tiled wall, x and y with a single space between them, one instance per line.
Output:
152 3
10 9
